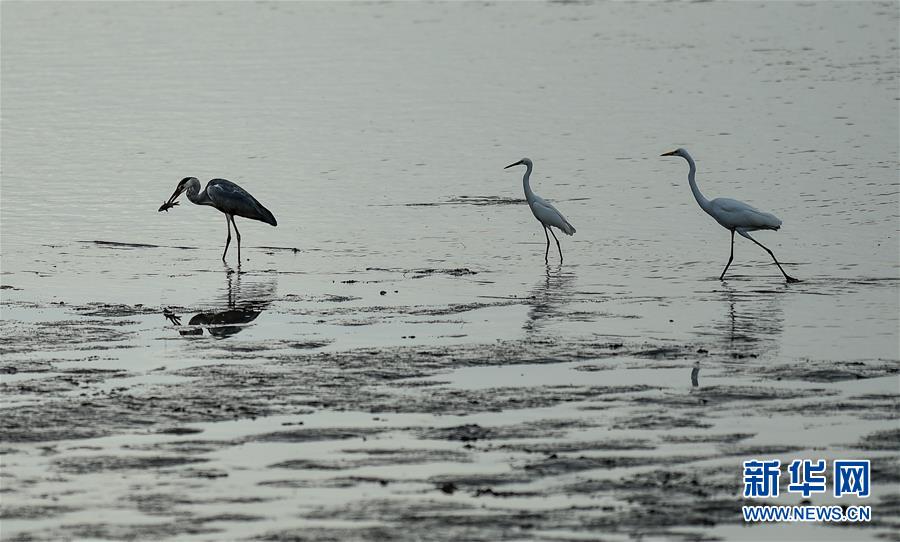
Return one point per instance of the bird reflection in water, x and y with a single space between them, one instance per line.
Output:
695 376
243 303
752 325
754 321
550 294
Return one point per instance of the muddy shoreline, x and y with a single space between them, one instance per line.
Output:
607 449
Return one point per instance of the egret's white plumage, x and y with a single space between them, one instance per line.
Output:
227 197
547 214
733 215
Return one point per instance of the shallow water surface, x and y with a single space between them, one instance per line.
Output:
396 358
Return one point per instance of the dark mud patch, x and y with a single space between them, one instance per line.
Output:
694 481
82 335
564 446
759 450
338 482
666 352
828 371
376 314
706 496
179 431
887 469
881 440
315 435
869 407
454 527
50 422
425 272
376 458
727 395
554 466
473 482
728 438
475 432
119 244
483 519
455 272
43 386
114 310
130 246
491 492
593 368
293 250
139 531
37 511
325 298
89 464
158 504
452 401
67 417
181 447
11 367
206 474
479 201
657 420
251 350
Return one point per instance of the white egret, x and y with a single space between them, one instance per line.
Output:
546 214
733 215
227 197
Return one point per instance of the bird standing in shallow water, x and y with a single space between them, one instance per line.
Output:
227 197
733 215
546 214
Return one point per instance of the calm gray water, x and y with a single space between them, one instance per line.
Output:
377 135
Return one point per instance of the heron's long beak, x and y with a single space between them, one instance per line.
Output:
670 153
176 193
516 164
171 202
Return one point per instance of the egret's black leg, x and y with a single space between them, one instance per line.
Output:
227 241
238 234
557 244
730 258
786 276
547 252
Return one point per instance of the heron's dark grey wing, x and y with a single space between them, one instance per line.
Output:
234 200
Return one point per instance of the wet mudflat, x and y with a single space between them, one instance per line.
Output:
395 360
139 422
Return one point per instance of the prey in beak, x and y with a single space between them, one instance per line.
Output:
171 202
166 206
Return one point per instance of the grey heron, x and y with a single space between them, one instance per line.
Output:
227 197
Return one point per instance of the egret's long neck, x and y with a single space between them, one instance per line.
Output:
529 195
197 197
701 199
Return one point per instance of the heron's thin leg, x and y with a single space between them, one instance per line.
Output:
547 252
238 234
557 244
786 276
227 241
730 258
